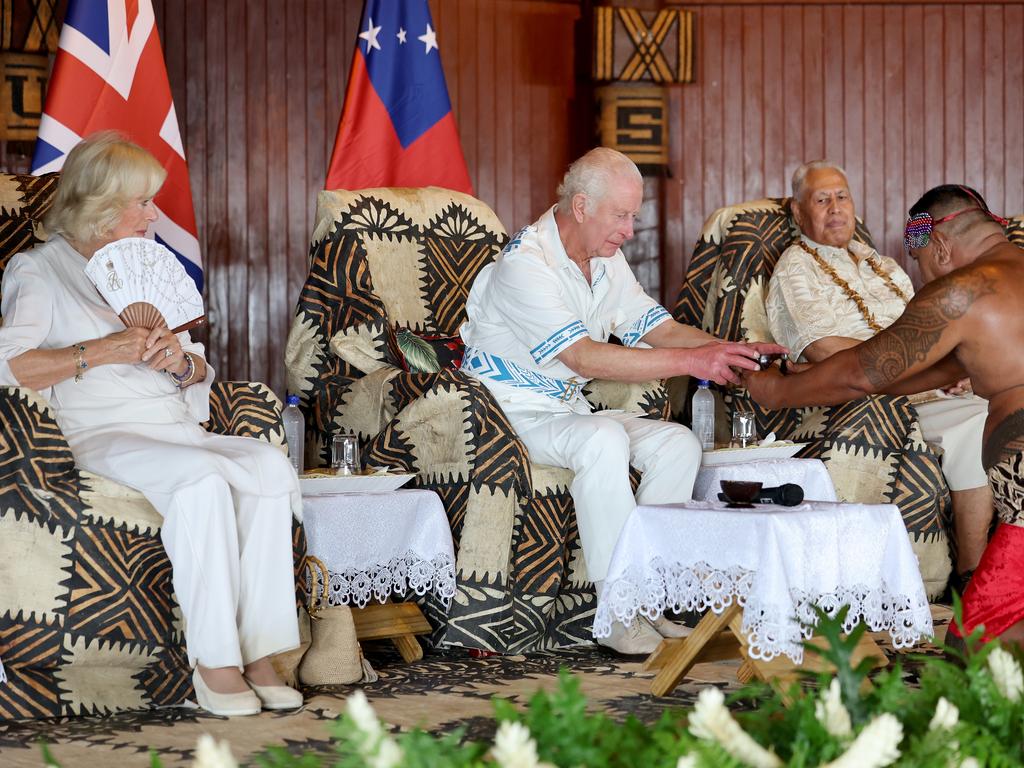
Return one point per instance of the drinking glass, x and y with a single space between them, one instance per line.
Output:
743 433
345 454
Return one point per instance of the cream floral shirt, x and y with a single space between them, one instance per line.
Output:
805 304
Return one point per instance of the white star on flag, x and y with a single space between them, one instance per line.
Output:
429 38
370 36
401 36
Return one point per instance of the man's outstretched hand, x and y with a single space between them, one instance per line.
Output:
719 361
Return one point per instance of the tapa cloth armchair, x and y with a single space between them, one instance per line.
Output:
88 620
872 447
387 261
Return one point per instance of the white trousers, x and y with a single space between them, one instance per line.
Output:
598 448
956 425
227 505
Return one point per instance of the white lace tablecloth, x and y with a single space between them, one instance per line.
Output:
775 561
376 544
809 474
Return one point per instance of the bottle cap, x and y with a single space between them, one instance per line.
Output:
702 382
293 399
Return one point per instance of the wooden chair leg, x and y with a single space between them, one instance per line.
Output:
745 673
679 659
409 647
724 645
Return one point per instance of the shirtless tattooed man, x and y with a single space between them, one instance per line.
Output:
968 320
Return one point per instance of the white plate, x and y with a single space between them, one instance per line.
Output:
777 450
327 485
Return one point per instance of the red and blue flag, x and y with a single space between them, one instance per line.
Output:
397 127
110 74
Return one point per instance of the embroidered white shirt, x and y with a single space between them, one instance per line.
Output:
533 302
804 303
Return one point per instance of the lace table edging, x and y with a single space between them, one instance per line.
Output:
770 629
356 586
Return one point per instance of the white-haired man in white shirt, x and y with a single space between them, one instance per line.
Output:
539 323
830 292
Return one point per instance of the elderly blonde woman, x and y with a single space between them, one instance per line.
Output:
130 402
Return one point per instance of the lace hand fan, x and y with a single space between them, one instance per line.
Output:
146 285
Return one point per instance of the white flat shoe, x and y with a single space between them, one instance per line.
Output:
276 696
224 704
639 638
672 629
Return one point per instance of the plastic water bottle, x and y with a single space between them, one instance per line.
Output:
704 415
294 432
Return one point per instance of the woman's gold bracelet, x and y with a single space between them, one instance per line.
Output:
77 352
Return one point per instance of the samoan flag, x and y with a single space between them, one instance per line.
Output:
110 74
397 127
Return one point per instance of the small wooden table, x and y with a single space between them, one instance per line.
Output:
375 544
757 573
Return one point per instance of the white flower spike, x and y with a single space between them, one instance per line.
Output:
711 721
1006 673
875 747
211 753
831 713
514 747
946 715
359 709
379 749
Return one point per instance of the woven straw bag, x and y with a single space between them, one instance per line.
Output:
334 656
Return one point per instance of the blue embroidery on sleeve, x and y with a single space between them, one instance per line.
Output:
649 319
515 242
558 341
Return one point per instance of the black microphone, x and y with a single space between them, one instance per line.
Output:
785 495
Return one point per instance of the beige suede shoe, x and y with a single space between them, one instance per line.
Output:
639 638
224 704
672 629
276 696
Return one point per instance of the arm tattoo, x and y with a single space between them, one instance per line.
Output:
1006 440
909 340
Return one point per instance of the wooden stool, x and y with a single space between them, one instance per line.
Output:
719 636
398 622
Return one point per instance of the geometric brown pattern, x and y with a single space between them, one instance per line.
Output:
872 447
88 620
386 259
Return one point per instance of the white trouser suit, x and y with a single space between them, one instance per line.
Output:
227 502
598 448
227 507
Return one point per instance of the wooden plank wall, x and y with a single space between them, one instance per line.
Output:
905 95
258 87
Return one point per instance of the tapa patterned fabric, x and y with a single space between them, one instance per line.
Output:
872 447
88 620
385 259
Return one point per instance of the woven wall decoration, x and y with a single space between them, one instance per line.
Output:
631 119
30 26
631 45
22 83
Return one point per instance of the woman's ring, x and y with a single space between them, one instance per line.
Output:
167 352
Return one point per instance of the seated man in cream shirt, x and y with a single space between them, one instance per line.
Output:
830 292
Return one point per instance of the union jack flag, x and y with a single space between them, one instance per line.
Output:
110 73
